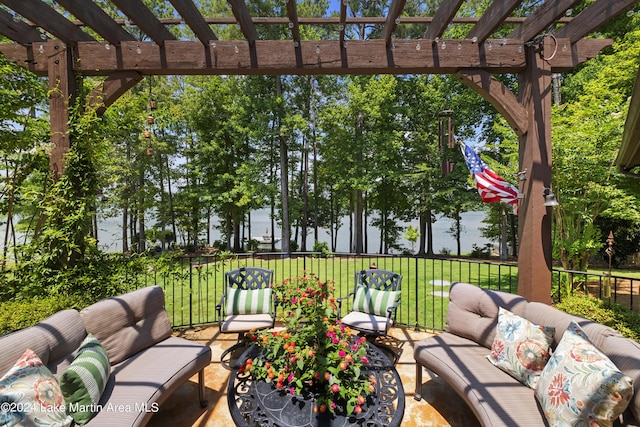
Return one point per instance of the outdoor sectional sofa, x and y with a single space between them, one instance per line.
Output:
459 357
146 363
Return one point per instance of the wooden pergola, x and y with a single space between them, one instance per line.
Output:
77 37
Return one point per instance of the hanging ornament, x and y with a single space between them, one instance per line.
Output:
150 119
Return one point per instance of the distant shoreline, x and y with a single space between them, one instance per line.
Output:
110 234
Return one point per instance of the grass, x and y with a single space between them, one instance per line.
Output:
191 298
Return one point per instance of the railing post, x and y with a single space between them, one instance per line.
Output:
417 299
190 292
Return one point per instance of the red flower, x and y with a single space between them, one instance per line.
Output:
557 391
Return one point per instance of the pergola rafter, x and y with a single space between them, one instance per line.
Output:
547 40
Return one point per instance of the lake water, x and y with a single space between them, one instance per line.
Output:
109 233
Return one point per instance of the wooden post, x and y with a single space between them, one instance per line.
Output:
534 218
62 93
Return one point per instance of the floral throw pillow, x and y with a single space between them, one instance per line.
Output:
580 385
520 348
30 395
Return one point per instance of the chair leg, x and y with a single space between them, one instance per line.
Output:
201 391
241 342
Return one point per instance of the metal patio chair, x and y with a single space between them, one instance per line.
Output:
247 303
376 295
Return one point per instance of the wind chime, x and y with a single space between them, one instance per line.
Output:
151 106
446 138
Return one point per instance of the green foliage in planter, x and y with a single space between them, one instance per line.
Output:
614 315
16 315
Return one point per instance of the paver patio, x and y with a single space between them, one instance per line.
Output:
440 405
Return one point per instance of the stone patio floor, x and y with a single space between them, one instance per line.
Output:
440 405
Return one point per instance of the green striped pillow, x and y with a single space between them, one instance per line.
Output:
248 301
373 301
85 379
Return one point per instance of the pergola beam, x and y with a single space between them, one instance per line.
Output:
593 17
492 89
194 19
491 19
96 18
275 57
295 30
112 88
391 22
342 22
140 14
541 19
629 153
51 21
443 17
19 31
243 18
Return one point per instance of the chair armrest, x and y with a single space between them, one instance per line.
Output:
339 301
219 307
392 309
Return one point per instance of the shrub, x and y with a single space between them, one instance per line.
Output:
614 315
322 248
16 315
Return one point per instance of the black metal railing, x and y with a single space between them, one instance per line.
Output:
622 290
194 283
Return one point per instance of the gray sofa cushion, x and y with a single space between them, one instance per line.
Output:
128 323
64 332
543 314
473 313
142 379
496 398
53 340
15 343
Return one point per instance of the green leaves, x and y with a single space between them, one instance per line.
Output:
586 135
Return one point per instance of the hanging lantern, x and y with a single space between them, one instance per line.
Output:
147 134
149 151
152 104
150 119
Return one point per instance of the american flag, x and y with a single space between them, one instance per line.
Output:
491 186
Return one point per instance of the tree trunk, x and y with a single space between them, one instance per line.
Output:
141 236
429 223
458 233
314 140
305 195
358 192
284 177
125 227
422 224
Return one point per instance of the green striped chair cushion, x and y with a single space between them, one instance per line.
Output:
373 301
248 301
83 382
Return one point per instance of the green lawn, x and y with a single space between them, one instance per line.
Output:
191 298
